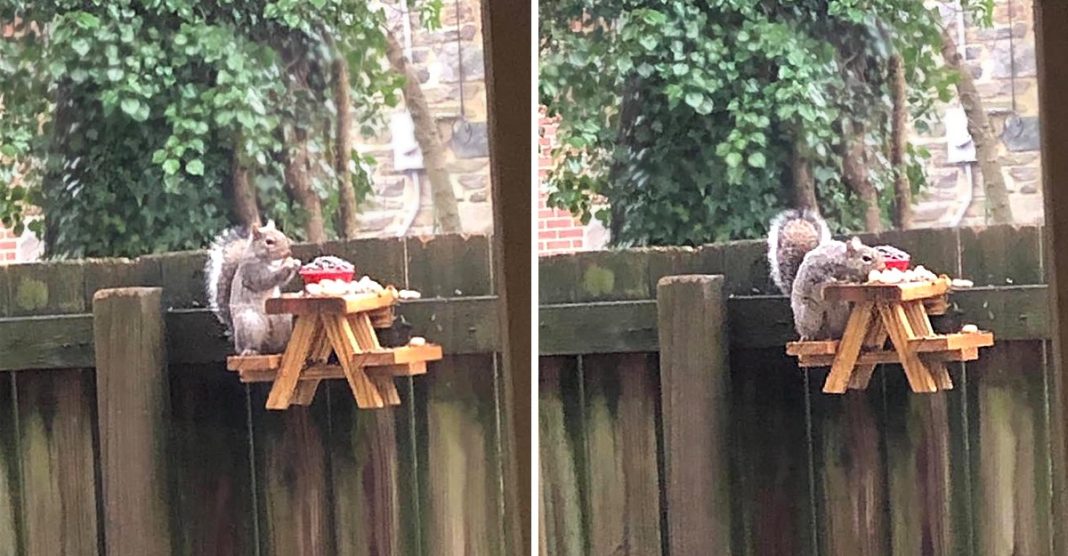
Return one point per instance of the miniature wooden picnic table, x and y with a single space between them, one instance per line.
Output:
343 326
900 313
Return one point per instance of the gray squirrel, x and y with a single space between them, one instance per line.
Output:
803 259
244 269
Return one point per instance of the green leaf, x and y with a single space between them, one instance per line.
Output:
171 166
756 160
694 99
130 106
81 46
733 160
195 167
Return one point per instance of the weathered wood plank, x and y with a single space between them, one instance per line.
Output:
46 288
1009 444
1001 255
619 422
463 499
770 486
11 528
1012 313
694 389
364 478
131 382
927 479
210 466
449 266
292 477
59 489
849 470
120 273
561 450
182 274
52 342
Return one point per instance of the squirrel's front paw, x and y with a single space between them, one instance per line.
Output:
291 264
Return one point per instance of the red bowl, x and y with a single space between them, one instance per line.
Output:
900 264
316 276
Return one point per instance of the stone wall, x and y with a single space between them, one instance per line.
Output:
449 62
1002 60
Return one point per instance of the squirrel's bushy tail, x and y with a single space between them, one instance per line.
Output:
223 258
792 235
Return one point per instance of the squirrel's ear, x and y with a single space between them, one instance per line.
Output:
257 232
269 225
854 244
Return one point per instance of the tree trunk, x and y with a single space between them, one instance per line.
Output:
297 167
804 183
343 148
629 110
997 195
299 183
446 212
855 174
902 215
244 196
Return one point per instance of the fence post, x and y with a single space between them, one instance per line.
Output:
132 403
694 383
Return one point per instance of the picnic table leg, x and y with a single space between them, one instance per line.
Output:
368 341
856 331
300 344
897 325
320 352
344 342
875 339
921 325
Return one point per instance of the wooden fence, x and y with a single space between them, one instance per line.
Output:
422 478
874 472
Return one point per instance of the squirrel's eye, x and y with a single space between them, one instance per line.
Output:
270 242
867 258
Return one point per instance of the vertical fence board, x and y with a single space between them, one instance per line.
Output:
770 486
694 393
561 518
620 409
463 498
848 469
292 477
927 468
1009 441
212 511
364 476
1008 406
132 405
59 491
456 407
10 479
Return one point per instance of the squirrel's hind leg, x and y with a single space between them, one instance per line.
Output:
251 330
281 328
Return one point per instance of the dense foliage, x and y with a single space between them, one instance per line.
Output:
125 119
690 118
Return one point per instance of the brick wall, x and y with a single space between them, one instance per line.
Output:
558 231
8 246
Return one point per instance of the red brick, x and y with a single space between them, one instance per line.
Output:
559 244
6 244
572 233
